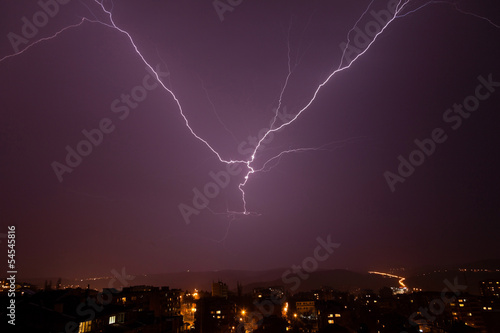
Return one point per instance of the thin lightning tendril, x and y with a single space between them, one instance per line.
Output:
457 8
402 4
323 147
50 37
214 109
285 84
350 31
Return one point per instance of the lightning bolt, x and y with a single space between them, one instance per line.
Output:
249 162
401 5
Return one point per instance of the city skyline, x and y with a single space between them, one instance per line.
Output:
111 155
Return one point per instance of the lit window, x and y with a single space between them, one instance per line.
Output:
112 320
85 327
337 315
218 311
461 305
330 321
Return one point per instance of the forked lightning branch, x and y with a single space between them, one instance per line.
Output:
359 40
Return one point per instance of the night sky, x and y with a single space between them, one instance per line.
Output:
119 205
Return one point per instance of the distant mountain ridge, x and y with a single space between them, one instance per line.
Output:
339 279
430 278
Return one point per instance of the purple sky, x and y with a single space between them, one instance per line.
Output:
120 206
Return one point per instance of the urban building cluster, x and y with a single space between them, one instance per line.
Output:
148 309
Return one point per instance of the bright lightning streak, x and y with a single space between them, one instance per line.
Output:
186 121
340 69
402 4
